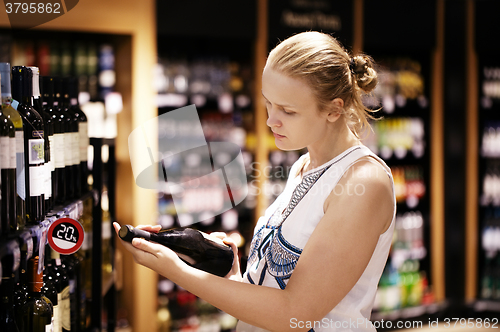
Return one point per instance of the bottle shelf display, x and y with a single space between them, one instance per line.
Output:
400 137
221 89
488 288
81 183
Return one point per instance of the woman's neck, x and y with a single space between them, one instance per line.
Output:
339 139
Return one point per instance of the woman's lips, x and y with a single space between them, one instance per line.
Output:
278 135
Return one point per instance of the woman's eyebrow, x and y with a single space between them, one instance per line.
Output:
280 105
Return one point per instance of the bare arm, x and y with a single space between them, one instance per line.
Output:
334 258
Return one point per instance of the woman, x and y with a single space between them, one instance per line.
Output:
336 213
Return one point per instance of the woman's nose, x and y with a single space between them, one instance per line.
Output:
272 120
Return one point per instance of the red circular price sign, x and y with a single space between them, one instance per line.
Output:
65 236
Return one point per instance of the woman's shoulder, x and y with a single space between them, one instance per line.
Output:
366 184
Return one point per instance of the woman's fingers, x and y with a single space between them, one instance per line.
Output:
220 235
148 228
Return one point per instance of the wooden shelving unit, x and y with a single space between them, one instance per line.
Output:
134 25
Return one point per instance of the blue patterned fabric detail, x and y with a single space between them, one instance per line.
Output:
254 247
298 193
282 257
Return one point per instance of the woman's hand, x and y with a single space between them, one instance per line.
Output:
235 273
149 254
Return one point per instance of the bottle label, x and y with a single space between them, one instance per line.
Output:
84 140
75 149
12 151
68 145
37 133
21 191
4 152
36 151
48 181
52 153
6 100
59 153
49 327
57 319
14 104
65 309
37 180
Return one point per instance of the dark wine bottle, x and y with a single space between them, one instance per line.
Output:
68 137
72 267
7 314
16 119
8 174
56 272
196 248
58 148
22 82
82 132
75 141
48 137
49 289
37 312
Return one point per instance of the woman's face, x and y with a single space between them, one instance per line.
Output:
292 111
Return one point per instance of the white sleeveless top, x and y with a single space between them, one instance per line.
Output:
283 231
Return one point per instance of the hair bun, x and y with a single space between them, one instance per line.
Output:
362 68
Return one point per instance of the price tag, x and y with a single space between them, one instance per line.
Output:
65 236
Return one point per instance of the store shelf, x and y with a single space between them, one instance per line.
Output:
410 312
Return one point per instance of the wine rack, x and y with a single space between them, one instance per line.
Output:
488 288
400 136
219 82
32 240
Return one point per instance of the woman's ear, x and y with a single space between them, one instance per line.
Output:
336 109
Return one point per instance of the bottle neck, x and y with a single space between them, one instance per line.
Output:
35 283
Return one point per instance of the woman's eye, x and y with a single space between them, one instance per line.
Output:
287 112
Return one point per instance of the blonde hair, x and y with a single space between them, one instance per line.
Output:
321 61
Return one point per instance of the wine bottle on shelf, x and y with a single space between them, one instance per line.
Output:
7 314
75 141
20 286
37 312
72 265
85 256
196 248
7 174
22 81
48 137
16 119
58 147
56 272
82 132
107 255
49 289
68 137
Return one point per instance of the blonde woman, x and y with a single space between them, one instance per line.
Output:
319 250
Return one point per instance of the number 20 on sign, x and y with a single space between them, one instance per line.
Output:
65 236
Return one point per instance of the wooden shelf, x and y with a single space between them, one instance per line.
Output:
134 22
